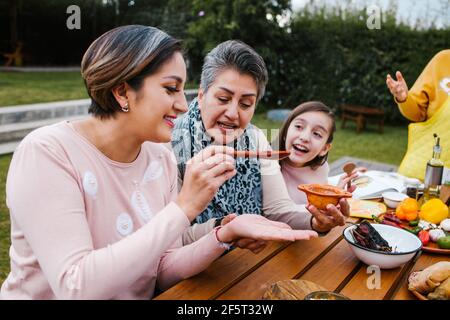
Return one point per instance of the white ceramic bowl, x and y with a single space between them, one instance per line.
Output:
404 244
393 199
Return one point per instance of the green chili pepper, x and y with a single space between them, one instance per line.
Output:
415 230
414 223
376 219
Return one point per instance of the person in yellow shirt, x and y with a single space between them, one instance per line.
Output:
428 93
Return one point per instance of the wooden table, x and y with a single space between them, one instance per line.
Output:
327 261
362 114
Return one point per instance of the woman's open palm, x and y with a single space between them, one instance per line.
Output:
398 88
257 227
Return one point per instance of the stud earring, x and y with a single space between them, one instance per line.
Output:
125 108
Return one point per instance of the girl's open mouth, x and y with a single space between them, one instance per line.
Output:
300 148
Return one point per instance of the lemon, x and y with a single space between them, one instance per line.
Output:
433 211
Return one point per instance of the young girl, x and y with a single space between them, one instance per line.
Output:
308 134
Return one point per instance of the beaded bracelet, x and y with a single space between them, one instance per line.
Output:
223 245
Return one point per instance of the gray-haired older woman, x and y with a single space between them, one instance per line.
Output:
233 80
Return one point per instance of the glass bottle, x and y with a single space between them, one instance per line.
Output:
433 173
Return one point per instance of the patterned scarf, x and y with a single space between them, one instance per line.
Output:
242 193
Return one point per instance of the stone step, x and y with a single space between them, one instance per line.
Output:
58 109
16 131
8 147
41 111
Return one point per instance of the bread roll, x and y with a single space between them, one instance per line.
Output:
427 280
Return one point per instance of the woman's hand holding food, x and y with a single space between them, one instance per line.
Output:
205 173
324 221
257 227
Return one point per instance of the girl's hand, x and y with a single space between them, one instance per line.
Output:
398 88
255 246
345 179
324 221
256 227
205 173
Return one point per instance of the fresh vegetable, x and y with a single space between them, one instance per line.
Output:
424 236
390 223
407 209
445 225
426 225
444 242
414 223
436 234
434 211
393 218
376 219
415 230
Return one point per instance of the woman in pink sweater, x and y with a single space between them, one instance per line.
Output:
95 212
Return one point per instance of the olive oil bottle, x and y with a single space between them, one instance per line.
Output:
433 173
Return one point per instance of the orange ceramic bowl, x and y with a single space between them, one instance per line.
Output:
320 195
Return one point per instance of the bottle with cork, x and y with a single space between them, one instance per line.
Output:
433 173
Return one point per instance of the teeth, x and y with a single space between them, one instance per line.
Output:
226 126
301 148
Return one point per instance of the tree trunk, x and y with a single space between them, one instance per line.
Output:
13 23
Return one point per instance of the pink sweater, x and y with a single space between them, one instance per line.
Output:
86 227
294 176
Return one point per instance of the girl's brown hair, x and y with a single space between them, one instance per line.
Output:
124 54
309 106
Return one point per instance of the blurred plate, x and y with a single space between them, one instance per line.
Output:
365 209
434 248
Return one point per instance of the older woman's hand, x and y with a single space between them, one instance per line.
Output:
256 227
398 88
324 221
205 173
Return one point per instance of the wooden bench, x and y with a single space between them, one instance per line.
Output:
362 114
16 56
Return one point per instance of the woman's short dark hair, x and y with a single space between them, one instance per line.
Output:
124 54
300 109
234 54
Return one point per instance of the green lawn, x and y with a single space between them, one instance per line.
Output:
33 87
388 147
4 220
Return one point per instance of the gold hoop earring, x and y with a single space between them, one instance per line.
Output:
125 108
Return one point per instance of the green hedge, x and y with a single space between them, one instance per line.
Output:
319 54
339 61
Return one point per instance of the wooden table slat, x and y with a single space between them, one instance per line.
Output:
358 287
285 265
332 270
235 265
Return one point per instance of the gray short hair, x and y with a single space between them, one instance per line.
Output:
236 55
